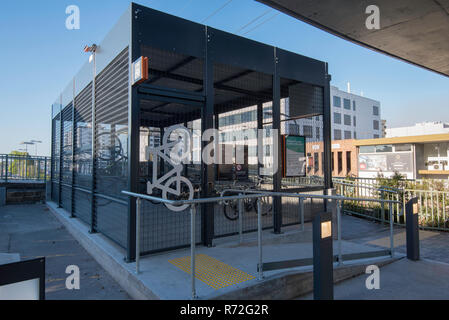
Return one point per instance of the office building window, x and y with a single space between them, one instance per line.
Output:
340 161
316 162
337 102
322 160
348 162
337 118
293 128
268 131
347 104
376 136
376 124
353 105
337 134
353 121
347 120
308 131
317 131
347 134
375 110
355 135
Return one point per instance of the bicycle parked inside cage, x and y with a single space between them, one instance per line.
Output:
231 208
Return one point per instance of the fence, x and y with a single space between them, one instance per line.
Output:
255 195
24 168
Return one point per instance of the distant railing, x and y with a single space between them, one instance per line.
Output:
16 168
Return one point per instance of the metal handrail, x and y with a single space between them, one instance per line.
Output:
249 194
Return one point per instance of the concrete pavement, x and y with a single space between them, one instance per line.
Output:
31 231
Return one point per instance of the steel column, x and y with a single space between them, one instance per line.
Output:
277 175
327 136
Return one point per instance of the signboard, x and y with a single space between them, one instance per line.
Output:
140 70
386 162
294 156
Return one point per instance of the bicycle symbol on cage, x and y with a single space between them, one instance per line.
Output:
175 149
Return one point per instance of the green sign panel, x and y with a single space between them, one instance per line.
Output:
295 156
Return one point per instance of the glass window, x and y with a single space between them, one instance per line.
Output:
308 132
293 128
375 110
316 161
353 121
337 134
318 133
403 147
376 124
347 104
340 161
337 102
347 120
384 148
367 149
337 118
353 105
347 134
267 150
355 135
348 161
376 136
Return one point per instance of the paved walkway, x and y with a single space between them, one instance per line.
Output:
32 231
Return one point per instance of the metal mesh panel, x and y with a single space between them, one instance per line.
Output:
55 145
111 96
83 138
112 219
66 197
111 146
66 155
163 229
82 205
237 94
174 70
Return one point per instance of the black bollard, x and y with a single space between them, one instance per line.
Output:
412 229
323 270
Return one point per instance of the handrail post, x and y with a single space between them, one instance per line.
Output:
240 203
340 256
6 169
382 209
259 238
138 204
192 248
301 212
391 229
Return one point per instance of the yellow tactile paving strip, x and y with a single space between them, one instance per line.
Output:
212 271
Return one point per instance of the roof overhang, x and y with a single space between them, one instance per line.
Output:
428 138
415 31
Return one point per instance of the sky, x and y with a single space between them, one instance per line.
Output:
39 57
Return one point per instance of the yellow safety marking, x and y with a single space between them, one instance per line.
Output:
212 271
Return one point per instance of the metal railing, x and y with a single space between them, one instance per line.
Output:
251 194
24 168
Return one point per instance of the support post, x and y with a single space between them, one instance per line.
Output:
138 207
93 149
192 249
259 239
323 275
412 229
61 140
327 172
391 216
277 175
208 170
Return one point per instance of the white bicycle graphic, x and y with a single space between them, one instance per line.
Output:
174 150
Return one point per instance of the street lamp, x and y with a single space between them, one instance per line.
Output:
35 142
26 143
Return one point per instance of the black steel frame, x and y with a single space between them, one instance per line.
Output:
166 32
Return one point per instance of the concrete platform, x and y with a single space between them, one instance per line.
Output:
161 279
401 280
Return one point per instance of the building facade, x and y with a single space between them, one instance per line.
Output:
421 128
415 157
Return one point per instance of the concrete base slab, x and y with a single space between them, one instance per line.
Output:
160 279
